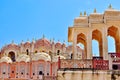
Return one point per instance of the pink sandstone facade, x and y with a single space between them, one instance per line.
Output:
32 60
46 60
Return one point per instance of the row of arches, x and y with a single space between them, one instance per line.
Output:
97 41
11 54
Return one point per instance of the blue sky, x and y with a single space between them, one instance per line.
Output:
28 19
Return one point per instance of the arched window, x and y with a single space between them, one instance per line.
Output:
81 42
80 53
27 51
97 46
71 56
113 39
36 51
12 56
58 51
40 69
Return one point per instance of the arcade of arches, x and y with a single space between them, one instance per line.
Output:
97 27
100 34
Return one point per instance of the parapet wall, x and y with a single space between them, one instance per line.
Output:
86 21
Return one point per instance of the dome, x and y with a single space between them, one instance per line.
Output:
6 59
69 48
55 59
58 45
23 57
10 46
41 56
42 42
27 44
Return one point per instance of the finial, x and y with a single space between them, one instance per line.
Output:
50 40
53 39
84 13
43 36
110 6
22 41
27 39
5 44
95 10
12 41
80 13
33 39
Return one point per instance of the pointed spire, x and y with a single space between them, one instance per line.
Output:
84 13
80 13
12 41
22 42
33 40
95 10
50 40
64 41
5 44
27 39
53 39
110 6
43 36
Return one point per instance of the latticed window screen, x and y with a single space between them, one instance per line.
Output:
48 68
40 70
22 69
4 68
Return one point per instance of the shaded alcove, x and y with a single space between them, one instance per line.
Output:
81 41
113 39
12 56
97 43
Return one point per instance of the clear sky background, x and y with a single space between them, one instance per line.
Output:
28 19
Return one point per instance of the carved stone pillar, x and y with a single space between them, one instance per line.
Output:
74 47
105 44
89 45
118 41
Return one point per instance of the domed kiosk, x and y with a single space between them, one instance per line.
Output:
23 57
5 59
41 56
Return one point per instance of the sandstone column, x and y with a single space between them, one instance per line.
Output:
74 46
105 44
89 45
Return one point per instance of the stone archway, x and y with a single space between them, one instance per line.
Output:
113 32
81 38
12 56
97 35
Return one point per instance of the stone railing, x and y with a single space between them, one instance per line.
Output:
84 64
75 63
